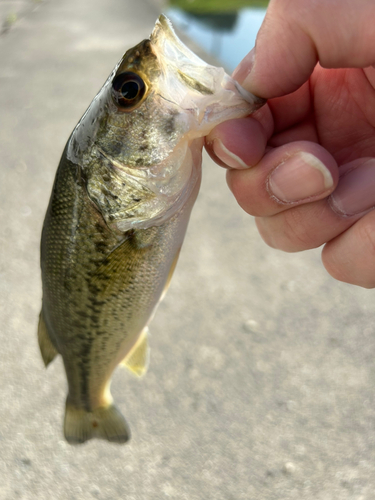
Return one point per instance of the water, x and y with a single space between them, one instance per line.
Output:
228 37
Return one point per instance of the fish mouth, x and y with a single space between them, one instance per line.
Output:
205 92
177 59
165 35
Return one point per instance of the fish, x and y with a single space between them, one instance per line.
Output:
120 205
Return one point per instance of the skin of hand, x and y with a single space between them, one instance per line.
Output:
311 148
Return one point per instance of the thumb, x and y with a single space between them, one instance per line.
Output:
296 34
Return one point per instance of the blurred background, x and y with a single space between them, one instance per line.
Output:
225 30
261 382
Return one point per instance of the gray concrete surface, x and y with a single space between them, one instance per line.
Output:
261 383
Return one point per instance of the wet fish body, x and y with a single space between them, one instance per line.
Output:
118 213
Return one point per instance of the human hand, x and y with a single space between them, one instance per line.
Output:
312 147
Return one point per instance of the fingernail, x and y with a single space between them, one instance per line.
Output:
355 192
227 156
300 177
244 68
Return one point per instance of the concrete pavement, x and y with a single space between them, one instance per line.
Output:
261 383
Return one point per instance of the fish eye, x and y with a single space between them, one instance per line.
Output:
128 90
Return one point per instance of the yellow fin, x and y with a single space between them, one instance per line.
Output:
46 347
103 423
138 358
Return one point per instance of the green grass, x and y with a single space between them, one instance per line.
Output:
217 6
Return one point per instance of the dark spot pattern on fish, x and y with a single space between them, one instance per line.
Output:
100 247
83 314
77 324
169 126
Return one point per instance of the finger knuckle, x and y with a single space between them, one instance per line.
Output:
351 257
266 235
287 231
296 232
367 235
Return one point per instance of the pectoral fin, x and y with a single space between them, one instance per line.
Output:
138 358
47 349
119 267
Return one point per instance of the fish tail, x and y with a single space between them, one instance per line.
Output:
46 347
104 423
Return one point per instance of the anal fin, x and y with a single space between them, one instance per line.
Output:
46 347
103 423
138 358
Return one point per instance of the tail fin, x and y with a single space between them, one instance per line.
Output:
104 423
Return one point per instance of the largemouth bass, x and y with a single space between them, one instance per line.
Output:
120 205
